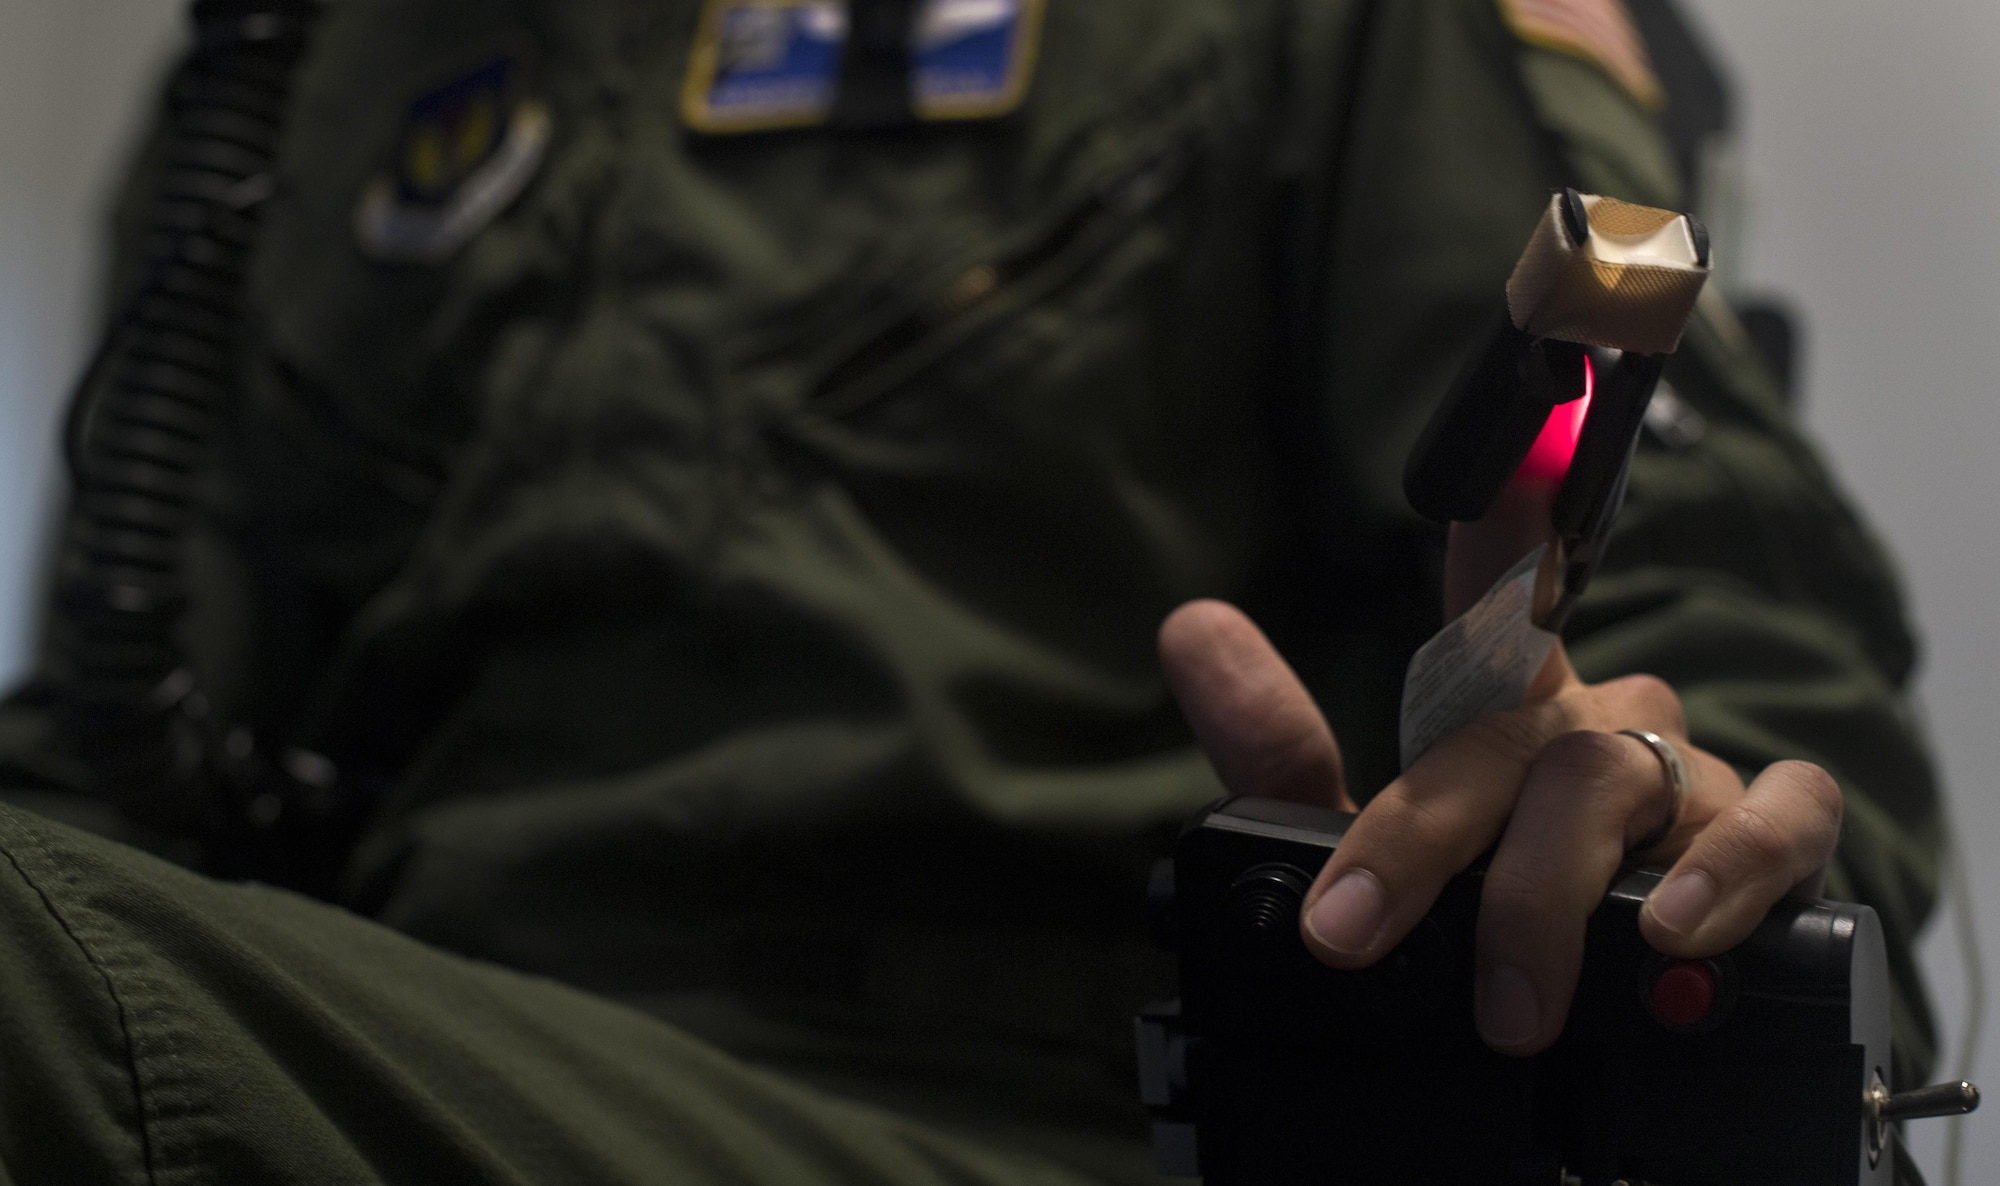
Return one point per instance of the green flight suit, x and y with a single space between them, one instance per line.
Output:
741 561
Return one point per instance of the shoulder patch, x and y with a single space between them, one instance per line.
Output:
1598 31
466 150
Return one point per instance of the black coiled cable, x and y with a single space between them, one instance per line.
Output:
141 425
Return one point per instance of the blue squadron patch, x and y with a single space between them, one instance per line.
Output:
466 150
760 65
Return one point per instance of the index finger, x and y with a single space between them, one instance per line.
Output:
1453 802
1421 830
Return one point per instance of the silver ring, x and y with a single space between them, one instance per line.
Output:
1676 770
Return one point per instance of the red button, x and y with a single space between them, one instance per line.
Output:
1684 992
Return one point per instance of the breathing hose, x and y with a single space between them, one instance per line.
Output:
141 430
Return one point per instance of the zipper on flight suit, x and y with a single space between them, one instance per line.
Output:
981 293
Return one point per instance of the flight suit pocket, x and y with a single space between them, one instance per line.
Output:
981 327
1108 241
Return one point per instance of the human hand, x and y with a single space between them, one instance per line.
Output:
1563 794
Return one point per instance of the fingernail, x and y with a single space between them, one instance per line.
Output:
1508 1011
1683 902
1348 915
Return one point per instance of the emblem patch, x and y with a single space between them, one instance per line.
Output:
1599 31
467 149
759 65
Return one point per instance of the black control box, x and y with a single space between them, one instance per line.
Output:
1755 1068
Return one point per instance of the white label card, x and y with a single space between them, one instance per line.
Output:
1481 662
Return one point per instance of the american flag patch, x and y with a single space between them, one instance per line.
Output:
1599 31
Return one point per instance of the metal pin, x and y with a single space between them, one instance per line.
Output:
1939 1099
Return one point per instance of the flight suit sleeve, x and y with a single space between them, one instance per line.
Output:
1739 572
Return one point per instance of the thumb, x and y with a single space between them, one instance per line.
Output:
1252 716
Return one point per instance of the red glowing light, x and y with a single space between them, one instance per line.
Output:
1548 458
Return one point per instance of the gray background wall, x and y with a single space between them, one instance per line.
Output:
72 75
1872 162
1872 166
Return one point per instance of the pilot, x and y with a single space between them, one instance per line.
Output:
675 551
